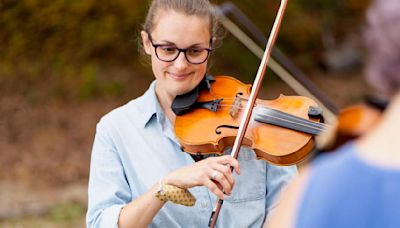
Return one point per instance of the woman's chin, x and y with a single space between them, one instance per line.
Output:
183 90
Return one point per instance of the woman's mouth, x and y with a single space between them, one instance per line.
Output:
179 76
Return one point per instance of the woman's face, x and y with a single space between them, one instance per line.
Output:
181 31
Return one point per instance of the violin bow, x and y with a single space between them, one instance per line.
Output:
252 99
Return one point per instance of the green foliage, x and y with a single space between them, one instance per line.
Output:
63 46
66 212
66 42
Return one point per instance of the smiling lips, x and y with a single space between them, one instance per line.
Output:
179 76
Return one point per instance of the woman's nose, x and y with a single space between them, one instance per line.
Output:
181 62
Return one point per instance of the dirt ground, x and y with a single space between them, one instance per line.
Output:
45 150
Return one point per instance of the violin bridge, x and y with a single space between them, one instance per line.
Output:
237 105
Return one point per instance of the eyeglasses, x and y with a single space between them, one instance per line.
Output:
169 52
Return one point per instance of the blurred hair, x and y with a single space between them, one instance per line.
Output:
382 38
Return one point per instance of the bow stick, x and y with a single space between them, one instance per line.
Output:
252 99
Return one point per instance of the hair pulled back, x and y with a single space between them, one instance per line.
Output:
202 8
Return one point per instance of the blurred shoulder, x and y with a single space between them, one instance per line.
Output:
335 159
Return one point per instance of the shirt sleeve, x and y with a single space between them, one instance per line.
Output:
277 178
108 188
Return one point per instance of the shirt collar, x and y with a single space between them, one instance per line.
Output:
149 106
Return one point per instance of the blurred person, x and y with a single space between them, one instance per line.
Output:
359 184
137 160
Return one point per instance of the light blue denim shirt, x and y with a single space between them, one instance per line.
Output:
135 146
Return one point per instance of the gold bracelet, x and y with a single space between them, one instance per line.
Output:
175 194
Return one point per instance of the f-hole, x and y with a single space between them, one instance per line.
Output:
218 131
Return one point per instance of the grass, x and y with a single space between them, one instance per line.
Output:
60 216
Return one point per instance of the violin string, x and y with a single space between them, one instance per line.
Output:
229 98
285 116
296 120
293 125
289 116
307 123
317 124
303 124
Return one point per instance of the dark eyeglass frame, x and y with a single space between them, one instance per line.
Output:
184 50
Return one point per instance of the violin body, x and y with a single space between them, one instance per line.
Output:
202 131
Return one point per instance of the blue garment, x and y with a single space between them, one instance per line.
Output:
135 146
345 191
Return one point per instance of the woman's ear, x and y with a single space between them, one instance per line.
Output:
212 41
146 42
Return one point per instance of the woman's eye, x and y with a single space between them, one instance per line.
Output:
168 49
195 51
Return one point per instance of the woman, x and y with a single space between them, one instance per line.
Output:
136 157
359 185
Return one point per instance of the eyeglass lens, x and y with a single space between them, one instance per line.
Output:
169 53
193 55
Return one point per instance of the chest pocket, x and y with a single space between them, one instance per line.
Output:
251 183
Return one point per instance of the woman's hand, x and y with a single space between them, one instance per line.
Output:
214 173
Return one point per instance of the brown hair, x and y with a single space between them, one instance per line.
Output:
201 8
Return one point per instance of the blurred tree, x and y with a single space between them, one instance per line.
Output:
66 43
71 44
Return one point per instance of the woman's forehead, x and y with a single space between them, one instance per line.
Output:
175 26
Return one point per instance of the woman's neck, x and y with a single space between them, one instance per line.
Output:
166 100
382 144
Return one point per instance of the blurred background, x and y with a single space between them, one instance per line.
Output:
66 63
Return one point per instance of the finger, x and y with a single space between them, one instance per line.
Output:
214 188
221 179
226 186
226 171
229 160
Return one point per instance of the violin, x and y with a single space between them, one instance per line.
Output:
352 122
280 131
